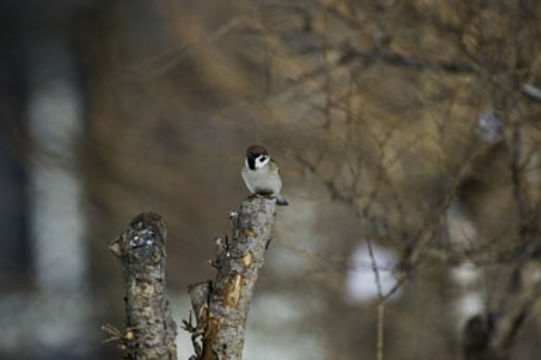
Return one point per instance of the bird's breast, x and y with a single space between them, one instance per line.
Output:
261 180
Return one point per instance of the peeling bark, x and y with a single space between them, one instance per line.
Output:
222 306
150 329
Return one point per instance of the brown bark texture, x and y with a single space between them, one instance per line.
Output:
221 306
150 329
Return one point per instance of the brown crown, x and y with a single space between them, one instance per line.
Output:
256 150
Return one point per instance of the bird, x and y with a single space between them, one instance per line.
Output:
261 174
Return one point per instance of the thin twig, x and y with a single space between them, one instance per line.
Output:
381 317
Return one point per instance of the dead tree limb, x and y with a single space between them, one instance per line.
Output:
221 306
150 329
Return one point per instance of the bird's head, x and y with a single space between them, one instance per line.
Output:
257 157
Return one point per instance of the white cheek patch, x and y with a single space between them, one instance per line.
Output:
261 162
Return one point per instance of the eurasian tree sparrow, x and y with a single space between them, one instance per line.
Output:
260 174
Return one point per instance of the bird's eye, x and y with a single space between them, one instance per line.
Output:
262 158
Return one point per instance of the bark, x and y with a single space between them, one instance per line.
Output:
150 329
221 306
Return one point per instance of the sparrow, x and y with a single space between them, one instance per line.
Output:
260 174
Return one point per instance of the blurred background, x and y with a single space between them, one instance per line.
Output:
407 134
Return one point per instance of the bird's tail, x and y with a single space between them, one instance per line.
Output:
281 201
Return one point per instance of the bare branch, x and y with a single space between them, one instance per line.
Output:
514 316
491 337
221 306
150 329
395 59
515 167
380 339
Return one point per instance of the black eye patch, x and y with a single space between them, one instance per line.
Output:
262 158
